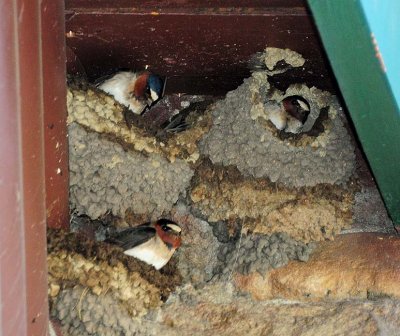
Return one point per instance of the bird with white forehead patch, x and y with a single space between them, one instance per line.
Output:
154 242
290 114
297 110
135 90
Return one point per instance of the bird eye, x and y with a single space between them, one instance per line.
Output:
165 228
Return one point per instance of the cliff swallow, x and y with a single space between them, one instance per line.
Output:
297 110
135 90
154 243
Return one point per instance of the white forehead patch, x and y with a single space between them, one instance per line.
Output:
154 95
303 105
174 227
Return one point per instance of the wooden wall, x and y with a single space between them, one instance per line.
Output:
202 46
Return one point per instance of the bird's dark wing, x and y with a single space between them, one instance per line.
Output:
176 124
132 237
179 122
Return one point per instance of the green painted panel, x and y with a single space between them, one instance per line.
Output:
362 79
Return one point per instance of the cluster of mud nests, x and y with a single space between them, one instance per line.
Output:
250 197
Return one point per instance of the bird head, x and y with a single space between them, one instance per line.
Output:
148 87
169 232
155 87
297 107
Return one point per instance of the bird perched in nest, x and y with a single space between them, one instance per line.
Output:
290 115
154 243
135 90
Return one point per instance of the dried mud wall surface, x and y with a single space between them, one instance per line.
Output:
217 310
305 214
211 253
248 197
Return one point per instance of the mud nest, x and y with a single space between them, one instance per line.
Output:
104 177
241 137
66 248
222 194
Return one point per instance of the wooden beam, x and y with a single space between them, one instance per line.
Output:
30 91
55 114
26 62
13 313
202 46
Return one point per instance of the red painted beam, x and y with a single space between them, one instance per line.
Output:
12 263
23 272
186 4
202 46
33 194
55 114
